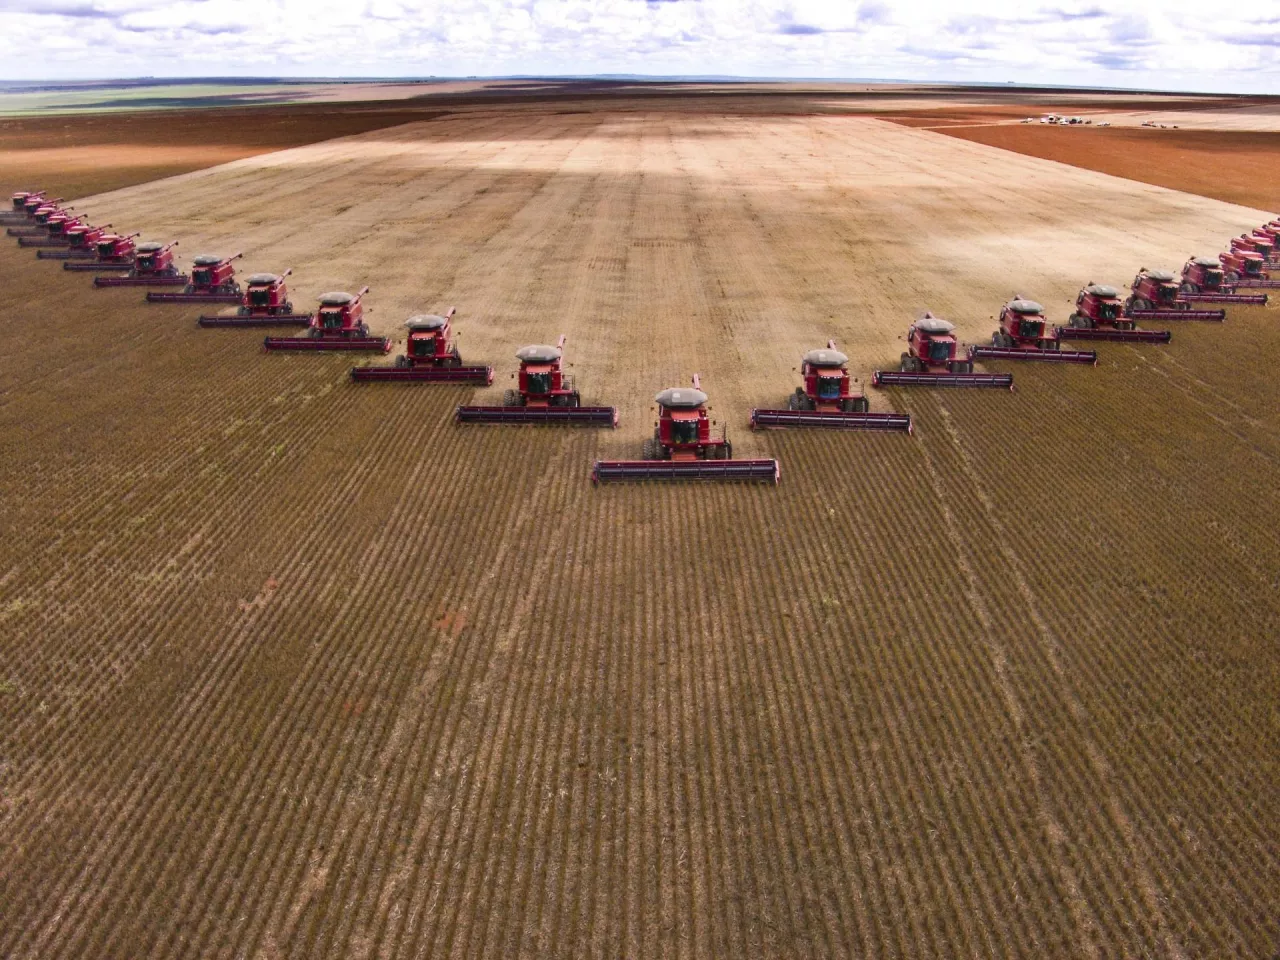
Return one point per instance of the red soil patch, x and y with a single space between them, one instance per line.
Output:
1235 166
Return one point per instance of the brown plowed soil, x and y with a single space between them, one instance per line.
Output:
295 667
1231 165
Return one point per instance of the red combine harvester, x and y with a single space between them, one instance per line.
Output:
113 252
1157 295
56 228
1100 316
338 325
213 280
1245 268
1202 282
827 399
682 447
18 212
1256 242
430 356
545 394
82 241
931 360
38 214
152 267
265 304
1024 335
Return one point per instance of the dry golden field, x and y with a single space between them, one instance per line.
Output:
295 667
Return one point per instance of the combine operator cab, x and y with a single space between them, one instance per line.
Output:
1024 335
1100 315
340 315
338 325
931 361
214 274
1153 290
544 394
265 303
152 267
213 280
682 446
430 356
827 399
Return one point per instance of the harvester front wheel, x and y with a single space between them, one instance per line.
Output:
651 449
1187 288
857 405
454 359
511 398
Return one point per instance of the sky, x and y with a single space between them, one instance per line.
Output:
1174 44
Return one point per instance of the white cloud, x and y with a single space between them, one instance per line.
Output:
1131 44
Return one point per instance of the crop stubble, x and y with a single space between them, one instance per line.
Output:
299 668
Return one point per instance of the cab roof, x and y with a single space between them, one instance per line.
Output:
1025 306
1102 290
207 260
681 398
263 278
825 357
426 321
1205 262
336 298
1160 276
935 325
150 247
539 353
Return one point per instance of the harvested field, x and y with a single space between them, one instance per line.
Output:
299 668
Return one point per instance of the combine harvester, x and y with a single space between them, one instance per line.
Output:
682 447
213 280
827 399
17 214
1023 335
113 252
38 214
338 325
152 267
931 361
56 235
1258 242
1100 315
265 304
82 242
1244 269
1201 282
545 395
430 356
1157 295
